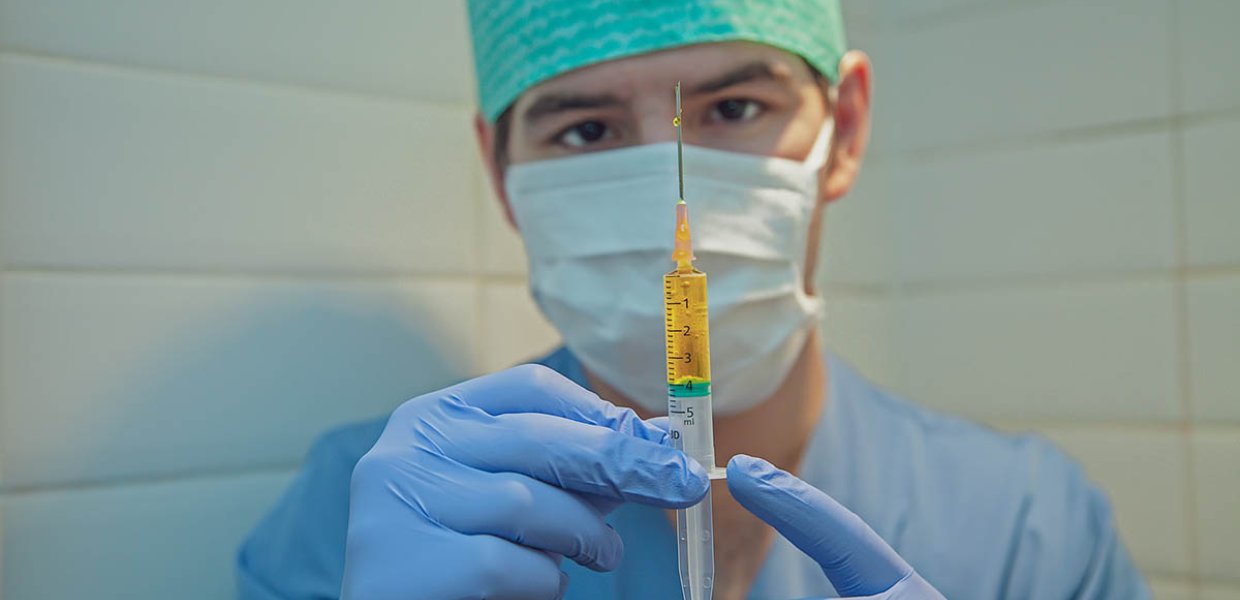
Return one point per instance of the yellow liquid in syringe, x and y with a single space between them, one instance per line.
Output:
688 334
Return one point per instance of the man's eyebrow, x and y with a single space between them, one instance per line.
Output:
751 72
552 103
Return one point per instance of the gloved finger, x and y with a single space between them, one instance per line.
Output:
535 388
579 457
490 567
509 571
525 511
856 560
660 423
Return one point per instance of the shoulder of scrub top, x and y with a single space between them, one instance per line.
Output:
1014 499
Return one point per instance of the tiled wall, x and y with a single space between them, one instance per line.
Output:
226 226
1061 245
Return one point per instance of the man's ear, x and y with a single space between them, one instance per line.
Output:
852 126
485 132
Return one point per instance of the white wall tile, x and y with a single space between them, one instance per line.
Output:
859 23
1214 348
1212 211
416 49
110 168
502 250
904 13
1082 352
1034 69
515 331
1172 589
855 246
1093 207
1209 50
1218 504
1141 471
857 327
163 540
109 376
857 13
1219 592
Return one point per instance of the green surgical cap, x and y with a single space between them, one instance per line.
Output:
520 43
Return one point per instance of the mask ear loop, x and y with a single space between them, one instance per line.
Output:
817 161
818 153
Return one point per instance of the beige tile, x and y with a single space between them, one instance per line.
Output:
1208 52
503 252
1142 473
1043 210
1211 591
414 49
857 13
1218 505
175 539
1037 68
908 14
1211 209
856 245
857 327
1095 352
860 23
1214 348
514 330
106 168
1172 589
109 377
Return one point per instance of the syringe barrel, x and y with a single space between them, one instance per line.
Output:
687 330
692 428
696 550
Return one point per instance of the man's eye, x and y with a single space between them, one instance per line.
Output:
584 134
735 110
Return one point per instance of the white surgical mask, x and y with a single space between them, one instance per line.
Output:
598 229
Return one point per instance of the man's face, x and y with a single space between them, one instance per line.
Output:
737 96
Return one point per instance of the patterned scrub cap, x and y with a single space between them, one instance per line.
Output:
520 43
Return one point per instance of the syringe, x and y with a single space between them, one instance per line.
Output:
689 411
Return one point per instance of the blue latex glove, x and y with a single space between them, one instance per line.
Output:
478 490
857 561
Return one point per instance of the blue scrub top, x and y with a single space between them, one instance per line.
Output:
979 514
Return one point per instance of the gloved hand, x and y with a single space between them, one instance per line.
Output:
854 558
479 489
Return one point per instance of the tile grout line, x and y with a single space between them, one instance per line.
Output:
1180 301
920 155
898 294
27 55
1112 425
357 277
480 268
954 15
3 400
11 491
1002 283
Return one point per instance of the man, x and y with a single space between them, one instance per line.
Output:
523 484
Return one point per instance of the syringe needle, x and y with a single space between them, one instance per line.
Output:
680 148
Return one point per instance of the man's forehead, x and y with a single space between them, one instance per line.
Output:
696 66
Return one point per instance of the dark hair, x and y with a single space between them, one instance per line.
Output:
503 125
